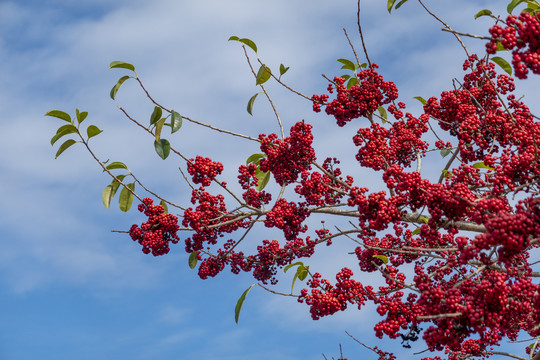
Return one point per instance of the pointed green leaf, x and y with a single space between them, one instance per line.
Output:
421 99
500 47
352 82
255 158
484 12
159 126
513 5
116 165
382 112
122 65
165 207
282 69
156 115
248 42
503 64
381 257
126 197
176 121
416 231
163 148
291 265
345 76
64 146
302 272
81 115
347 64
115 88
481 165
390 4
106 196
424 219
250 104
263 178
400 3
93 130
445 152
62 131
193 259
240 303
59 114
263 75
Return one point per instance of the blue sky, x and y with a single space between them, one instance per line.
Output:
69 287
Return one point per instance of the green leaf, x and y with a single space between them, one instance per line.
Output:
513 5
165 207
400 3
533 6
156 115
348 64
116 165
126 197
176 121
240 302
445 152
193 258
352 82
283 69
115 88
81 115
255 158
59 114
291 265
416 231
263 75
345 76
381 257
503 64
484 12
481 165
250 104
500 47
447 173
110 190
64 146
122 65
421 99
382 112
163 148
263 178
159 127
424 219
93 130
248 42
302 272
62 131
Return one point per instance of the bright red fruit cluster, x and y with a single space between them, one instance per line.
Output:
154 235
204 170
522 36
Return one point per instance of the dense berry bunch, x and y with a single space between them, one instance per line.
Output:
288 217
360 100
154 235
288 158
522 36
204 170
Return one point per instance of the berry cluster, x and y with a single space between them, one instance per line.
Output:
204 170
154 235
522 36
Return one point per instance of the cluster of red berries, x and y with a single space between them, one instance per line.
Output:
248 179
155 234
204 170
288 158
360 100
288 217
522 36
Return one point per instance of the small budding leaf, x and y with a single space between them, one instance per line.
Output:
115 88
283 69
390 4
193 259
81 115
484 12
503 64
445 152
263 75
125 199
64 146
165 207
240 303
93 130
255 158
424 219
163 148
345 76
250 104
122 65
59 114
263 178
156 115
176 121
381 257
116 165
421 99
248 42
